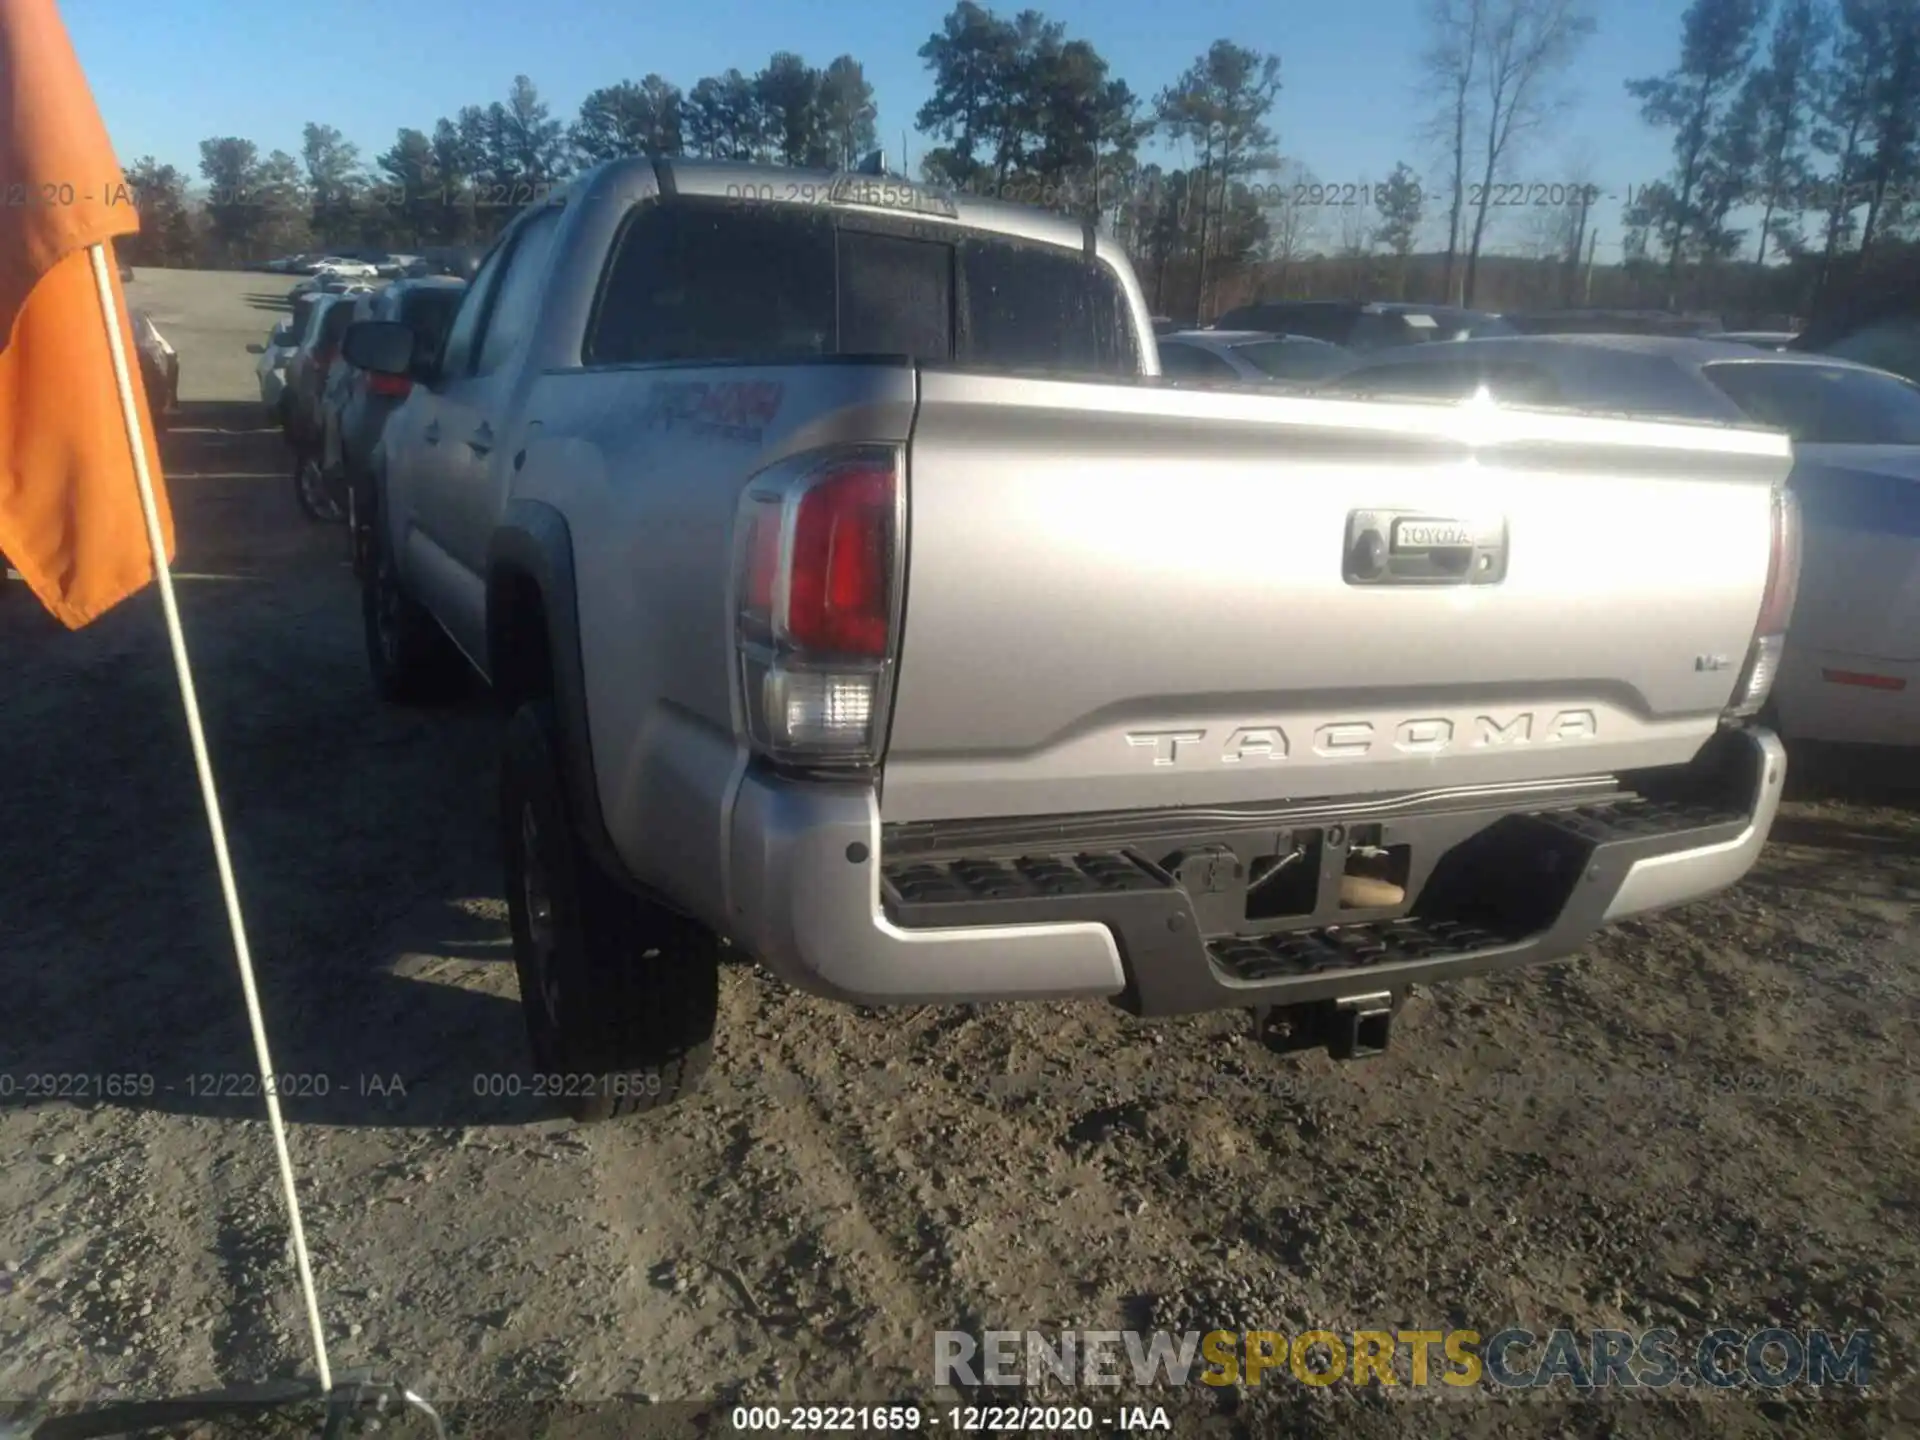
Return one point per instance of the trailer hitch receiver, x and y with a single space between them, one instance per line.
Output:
1361 1026
1351 1028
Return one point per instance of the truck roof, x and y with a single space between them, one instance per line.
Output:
793 185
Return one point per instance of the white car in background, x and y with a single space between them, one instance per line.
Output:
1850 672
335 268
271 369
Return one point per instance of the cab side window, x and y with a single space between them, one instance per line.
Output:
457 357
515 306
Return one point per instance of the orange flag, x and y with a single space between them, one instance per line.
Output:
70 518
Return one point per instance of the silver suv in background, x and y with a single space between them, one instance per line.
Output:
271 368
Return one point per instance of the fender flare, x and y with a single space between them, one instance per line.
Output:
533 540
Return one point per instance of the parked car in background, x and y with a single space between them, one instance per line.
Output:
1851 667
271 369
1886 336
1758 339
359 402
326 282
317 479
1182 698
1356 326
1614 322
1251 357
335 266
307 374
159 368
456 261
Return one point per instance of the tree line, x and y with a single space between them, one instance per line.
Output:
1803 116
1796 145
456 183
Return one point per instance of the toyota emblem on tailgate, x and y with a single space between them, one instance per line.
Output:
1432 535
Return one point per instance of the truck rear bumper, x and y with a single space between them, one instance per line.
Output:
816 900
805 881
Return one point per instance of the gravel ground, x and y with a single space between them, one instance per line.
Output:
1708 1119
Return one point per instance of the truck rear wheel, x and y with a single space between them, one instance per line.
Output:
412 661
620 994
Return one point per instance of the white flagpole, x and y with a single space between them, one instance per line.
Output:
163 578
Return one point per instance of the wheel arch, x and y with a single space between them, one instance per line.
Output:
533 651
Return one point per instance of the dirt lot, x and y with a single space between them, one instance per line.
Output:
1708 1120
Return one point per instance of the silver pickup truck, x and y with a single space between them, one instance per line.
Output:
864 601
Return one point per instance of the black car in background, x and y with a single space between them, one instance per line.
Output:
1880 328
1358 326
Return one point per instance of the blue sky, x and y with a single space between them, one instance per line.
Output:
169 74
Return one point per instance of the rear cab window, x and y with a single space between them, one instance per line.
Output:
702 281
1509 382
1181 360
1330 323
1293 360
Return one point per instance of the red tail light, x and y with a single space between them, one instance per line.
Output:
1776 610
762 562
818 583
1783 567
840 578
1864 680
394 387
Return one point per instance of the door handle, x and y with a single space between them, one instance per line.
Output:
481 441
432 433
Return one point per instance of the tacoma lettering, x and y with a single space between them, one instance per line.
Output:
1165 744
1262 743
1353 739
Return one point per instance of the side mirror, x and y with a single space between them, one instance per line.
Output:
256 348
384 347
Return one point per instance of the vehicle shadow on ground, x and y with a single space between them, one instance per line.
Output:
1856 837
270 302
217 421
1877 775
363 840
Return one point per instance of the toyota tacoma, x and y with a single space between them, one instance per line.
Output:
863 600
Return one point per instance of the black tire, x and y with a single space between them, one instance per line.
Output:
310 487
410 658
620 994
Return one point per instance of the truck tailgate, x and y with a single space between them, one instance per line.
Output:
1126 597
